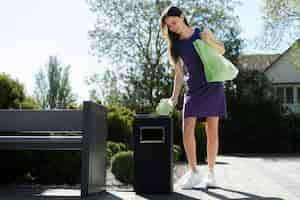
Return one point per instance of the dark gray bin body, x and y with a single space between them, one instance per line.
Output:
153 154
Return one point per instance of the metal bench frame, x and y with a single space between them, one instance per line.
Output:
91 122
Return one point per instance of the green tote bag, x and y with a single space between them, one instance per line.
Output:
216 67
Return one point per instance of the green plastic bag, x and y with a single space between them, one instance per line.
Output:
164 107
216 67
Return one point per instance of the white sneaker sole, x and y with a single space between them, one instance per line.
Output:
204 185
179 184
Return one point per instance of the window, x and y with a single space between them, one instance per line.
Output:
280 94
289 95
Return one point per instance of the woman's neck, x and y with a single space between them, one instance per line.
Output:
187 32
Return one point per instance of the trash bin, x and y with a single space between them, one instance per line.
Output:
153 154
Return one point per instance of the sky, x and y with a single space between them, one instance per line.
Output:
32 30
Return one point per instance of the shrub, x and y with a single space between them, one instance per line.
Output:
57 167
29 103
14 166
122 166
108 157
123 147
177 152
113 148
11 92
255 117
120 120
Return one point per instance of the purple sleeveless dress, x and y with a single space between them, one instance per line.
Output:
202 98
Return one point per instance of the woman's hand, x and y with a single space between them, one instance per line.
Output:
173 100
206 34
209 37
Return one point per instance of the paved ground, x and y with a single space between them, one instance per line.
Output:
244 178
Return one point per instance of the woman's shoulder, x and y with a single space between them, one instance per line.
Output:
197 31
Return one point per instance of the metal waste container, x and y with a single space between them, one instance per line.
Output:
153 154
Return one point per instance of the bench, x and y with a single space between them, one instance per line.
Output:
91 122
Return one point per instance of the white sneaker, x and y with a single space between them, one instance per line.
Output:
208 182
190 180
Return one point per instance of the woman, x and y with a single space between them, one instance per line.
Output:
204 101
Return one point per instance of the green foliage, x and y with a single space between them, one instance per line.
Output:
177 152
105 87
109 155
282 10
122 166
293 55
255 116
113 148
56 167
140 51
120 120
123 146
254 98
53 89
29 103
279 16
15 165
11 92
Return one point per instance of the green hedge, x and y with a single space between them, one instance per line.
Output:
120 120
113 148
256 118
123 166
56 167
14 166
177 153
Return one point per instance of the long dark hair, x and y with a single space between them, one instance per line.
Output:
168 34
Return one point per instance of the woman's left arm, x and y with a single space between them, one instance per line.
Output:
209 37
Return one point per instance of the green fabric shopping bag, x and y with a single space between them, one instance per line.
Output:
216 67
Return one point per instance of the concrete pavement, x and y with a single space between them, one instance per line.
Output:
275 177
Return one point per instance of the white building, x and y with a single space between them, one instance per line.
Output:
284 73
283 70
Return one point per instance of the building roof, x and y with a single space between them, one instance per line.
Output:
256 61
296 44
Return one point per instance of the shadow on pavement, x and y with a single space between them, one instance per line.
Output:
265 155
37 194
248 196
171 196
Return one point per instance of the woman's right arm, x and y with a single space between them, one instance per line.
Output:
178 81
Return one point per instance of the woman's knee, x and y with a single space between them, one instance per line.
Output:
188 126
211 126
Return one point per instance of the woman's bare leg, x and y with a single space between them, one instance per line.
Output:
211 128
189 141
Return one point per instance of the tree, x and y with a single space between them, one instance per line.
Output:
255 116
30 103
128 33
11 92
281 22
293 56
53 88
105 88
